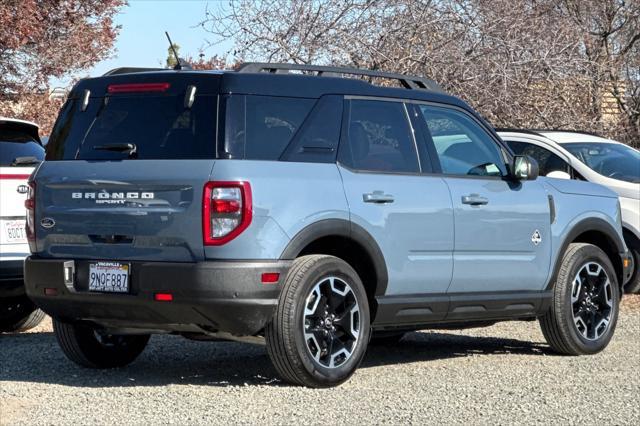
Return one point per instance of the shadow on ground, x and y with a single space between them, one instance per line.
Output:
35 357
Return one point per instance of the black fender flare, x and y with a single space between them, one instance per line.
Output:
346 229
585 225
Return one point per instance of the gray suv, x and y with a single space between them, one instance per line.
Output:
292 206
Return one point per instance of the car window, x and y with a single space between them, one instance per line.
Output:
261 127
378 137
463 147
612 160
160 127
16 147
547 161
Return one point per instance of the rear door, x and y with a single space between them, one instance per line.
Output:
126 168
502 227
20 151
407 212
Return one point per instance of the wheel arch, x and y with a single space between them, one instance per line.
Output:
349 242
594 231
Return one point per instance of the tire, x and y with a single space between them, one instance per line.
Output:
89 348
308 344
19 314
386 338
633 286
582 300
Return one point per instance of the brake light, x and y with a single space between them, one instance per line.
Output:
137 87
30 204
226 211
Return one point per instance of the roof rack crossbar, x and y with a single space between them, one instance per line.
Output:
407 81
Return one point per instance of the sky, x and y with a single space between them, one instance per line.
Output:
142 42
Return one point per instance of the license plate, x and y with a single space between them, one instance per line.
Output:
14 231
109 277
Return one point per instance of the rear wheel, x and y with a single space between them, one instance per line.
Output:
92 348
584 310
319 333
19 314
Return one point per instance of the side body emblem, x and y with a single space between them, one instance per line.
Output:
536 238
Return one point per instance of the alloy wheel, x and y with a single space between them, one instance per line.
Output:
592 301
331 322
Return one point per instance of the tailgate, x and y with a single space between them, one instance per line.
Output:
121 210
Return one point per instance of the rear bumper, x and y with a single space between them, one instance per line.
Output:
218 296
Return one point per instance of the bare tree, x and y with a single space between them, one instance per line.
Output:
522 63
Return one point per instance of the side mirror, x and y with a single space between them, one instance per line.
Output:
525 168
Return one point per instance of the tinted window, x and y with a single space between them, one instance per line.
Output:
260 127
15 144
463 147
160 127
378 138
317 140
547 160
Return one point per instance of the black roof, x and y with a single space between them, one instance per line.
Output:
271 80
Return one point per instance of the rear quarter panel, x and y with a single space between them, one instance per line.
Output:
287 197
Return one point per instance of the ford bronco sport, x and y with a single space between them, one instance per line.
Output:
294 206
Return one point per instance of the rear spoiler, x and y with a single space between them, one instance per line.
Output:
27 127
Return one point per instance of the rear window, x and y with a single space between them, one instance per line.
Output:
18 149
261 127
159 127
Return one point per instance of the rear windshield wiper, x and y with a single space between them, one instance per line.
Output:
24 161
129 148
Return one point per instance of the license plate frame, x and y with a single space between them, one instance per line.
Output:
109 277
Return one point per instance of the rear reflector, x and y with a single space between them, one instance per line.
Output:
163 297
270 277
50 291
138 87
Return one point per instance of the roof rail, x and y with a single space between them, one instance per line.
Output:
129 70
407 81
540 132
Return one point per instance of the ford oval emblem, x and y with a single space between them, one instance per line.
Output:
47 222
22 189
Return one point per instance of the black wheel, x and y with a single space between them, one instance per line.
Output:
319 333
19 314
386 338
91 348
633 286
584 310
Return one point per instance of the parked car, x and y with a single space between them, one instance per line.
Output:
575 155
20 151
304 211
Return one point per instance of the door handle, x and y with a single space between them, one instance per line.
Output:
378 197
474 200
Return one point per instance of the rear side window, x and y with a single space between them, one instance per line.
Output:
18 149
261 127
160 127
378 138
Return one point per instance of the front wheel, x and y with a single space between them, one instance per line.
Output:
319 333
633 286
92 348
586 300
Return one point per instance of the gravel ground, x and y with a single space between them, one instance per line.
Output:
501 374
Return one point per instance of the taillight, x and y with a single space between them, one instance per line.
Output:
226 211
30 204
137 87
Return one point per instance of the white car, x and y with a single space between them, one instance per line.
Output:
20 151
574 155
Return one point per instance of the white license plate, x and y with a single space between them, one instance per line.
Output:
110 277
14 231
